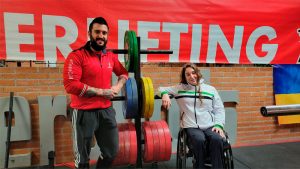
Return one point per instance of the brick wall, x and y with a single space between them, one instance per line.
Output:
254 83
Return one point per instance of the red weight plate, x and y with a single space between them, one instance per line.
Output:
155 140
119 157
133 144
168 148
148 146
127 144
162 141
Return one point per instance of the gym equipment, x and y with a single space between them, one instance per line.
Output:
130 106
145 102
132 51
148 97
127 145
280 110
157 145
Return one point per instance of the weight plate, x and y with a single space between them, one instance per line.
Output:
155 140
133 144
145 91
135 51
121 153
151 97
168 140
128 45
127 93
135 100
162 142
130 104
127 144
148 146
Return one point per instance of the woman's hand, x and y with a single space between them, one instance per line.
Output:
218 130
166 101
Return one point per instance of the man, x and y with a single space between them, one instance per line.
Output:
87 77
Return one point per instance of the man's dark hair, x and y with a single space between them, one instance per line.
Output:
99 20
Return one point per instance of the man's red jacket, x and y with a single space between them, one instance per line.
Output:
85 68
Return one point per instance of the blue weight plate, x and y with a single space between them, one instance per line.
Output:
135 101
130 105
126 92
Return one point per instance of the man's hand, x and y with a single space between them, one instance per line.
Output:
116 89
108 93
166 101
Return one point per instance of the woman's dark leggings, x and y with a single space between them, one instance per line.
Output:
206 142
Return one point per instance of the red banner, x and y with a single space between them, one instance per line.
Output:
205 31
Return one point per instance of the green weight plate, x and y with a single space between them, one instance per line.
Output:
128 45
135 51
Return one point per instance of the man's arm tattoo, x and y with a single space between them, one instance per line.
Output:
91 91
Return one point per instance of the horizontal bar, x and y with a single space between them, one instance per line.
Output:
142 51
122 98
280 110
118 98
157 97
118 51
156 51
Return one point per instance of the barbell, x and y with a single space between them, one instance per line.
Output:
280 110
131 51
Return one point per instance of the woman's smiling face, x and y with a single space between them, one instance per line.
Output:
191 76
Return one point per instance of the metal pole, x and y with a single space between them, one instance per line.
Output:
142 51
156 51
280 110
118 51
118 98
137 76
9 129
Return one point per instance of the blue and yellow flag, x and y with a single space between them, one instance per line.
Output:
287 89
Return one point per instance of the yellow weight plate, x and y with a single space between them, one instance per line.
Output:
145 91
150 97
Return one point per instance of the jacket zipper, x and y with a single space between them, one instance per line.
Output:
100 59
195 105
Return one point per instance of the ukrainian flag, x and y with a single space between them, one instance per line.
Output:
286 80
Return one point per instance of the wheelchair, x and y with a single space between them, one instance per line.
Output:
184 152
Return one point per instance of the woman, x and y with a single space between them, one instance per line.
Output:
202 114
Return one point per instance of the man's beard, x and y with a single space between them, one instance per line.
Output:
97 47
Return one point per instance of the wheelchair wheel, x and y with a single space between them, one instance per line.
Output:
228 158
181 150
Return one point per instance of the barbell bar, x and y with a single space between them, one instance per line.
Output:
142 51
280 110
122 98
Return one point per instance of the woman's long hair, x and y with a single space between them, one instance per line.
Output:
182 74
199 75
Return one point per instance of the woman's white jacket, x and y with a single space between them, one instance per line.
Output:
196 113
